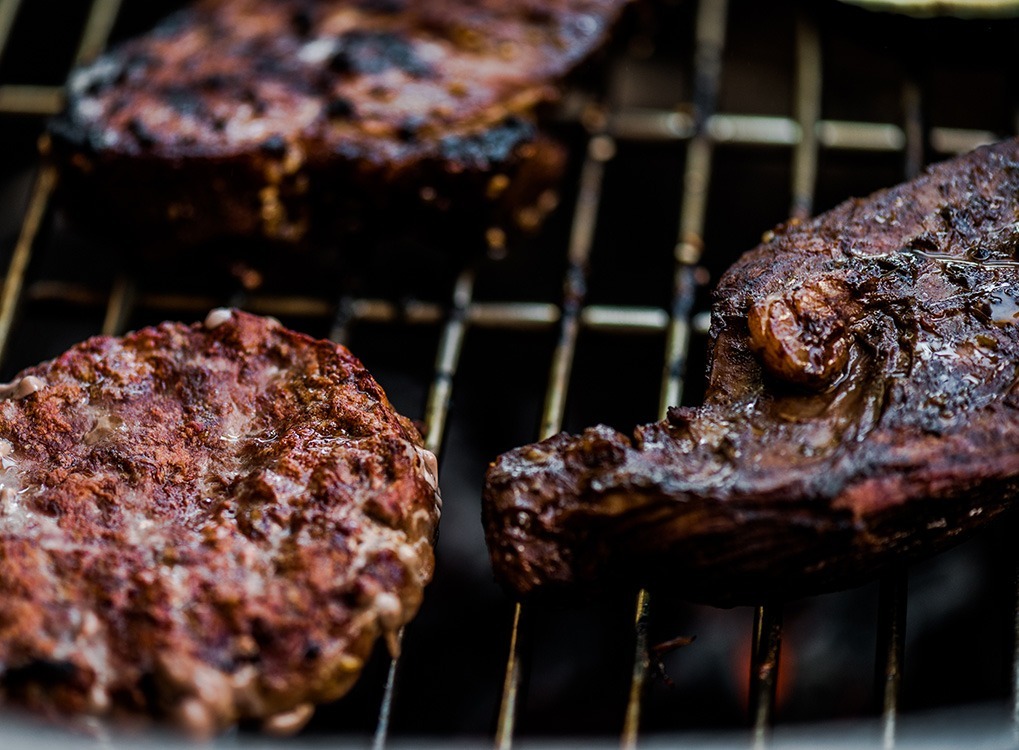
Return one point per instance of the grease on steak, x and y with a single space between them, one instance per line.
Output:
861 410
276 118
206 524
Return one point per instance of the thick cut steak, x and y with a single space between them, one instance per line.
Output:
205 524
862 409
280 118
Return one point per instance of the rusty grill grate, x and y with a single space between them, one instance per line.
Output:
698 125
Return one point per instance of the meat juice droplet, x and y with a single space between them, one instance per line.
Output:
1004 310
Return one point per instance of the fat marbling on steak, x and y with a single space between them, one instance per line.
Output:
284 118
206 524
862 409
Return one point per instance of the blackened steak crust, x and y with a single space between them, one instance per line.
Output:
205 524
276 118
861 410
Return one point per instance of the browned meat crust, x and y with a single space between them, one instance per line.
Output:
861 410
205 524
273 118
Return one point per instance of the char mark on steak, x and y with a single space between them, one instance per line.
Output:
861 410
289 119
205 524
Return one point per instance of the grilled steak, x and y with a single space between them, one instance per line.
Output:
205 524
862 409
276 118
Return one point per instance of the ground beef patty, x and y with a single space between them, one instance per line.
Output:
280 118
205 523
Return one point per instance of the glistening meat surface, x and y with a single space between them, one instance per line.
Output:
205 523
862 409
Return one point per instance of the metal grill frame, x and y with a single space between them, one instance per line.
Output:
702 128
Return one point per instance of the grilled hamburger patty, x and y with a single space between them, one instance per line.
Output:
273 118
861 410
206 524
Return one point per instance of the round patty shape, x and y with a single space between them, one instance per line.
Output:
205 524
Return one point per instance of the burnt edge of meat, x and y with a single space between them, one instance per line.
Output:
465 176
860 413
205 524
503 181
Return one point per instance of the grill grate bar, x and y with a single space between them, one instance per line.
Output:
601 149
891 638
8 12
641 665
510 685
118 308
891 650
97 29
14 281
40 100
386 707
31 100
766 648
767 636
446 362
914 129
708 53
809 77
650 124
447 359
488 315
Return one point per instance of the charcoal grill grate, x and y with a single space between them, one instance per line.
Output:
702 128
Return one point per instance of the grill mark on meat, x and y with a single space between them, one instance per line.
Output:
381 98
859 411
205 524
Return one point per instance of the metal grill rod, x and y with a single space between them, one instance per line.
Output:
767 636
709 48
118 309
891 638
764 662
447 360
600 150
49 100
8 12
891 650
97 28
45 181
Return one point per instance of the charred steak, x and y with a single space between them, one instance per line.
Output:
276 118
862 409
205 524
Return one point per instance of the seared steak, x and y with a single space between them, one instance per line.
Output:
862 410
276 118
205 524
